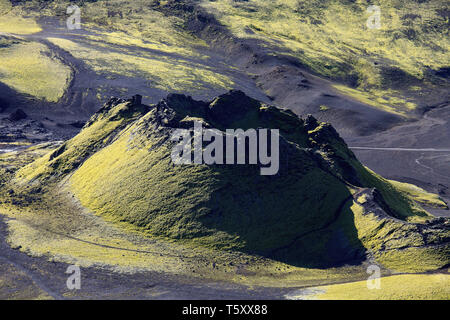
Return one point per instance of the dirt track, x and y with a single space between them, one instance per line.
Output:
417 152
30 277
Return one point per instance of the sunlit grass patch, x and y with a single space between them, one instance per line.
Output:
377 102
140 42
17 25
404 206
28 67
398 287
11 20
420 195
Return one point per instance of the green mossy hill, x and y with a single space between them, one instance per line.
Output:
120 167
99 131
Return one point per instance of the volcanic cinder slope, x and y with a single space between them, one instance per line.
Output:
322 209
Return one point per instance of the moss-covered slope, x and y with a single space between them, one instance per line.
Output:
309 213
391 66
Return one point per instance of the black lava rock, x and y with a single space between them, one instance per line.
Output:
17 115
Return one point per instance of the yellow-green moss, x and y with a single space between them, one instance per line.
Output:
331 38
73 152
165 73
140 42
367 98
134 174
30 68
12 20
396 245
420 195
119 167
402 203
399 287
